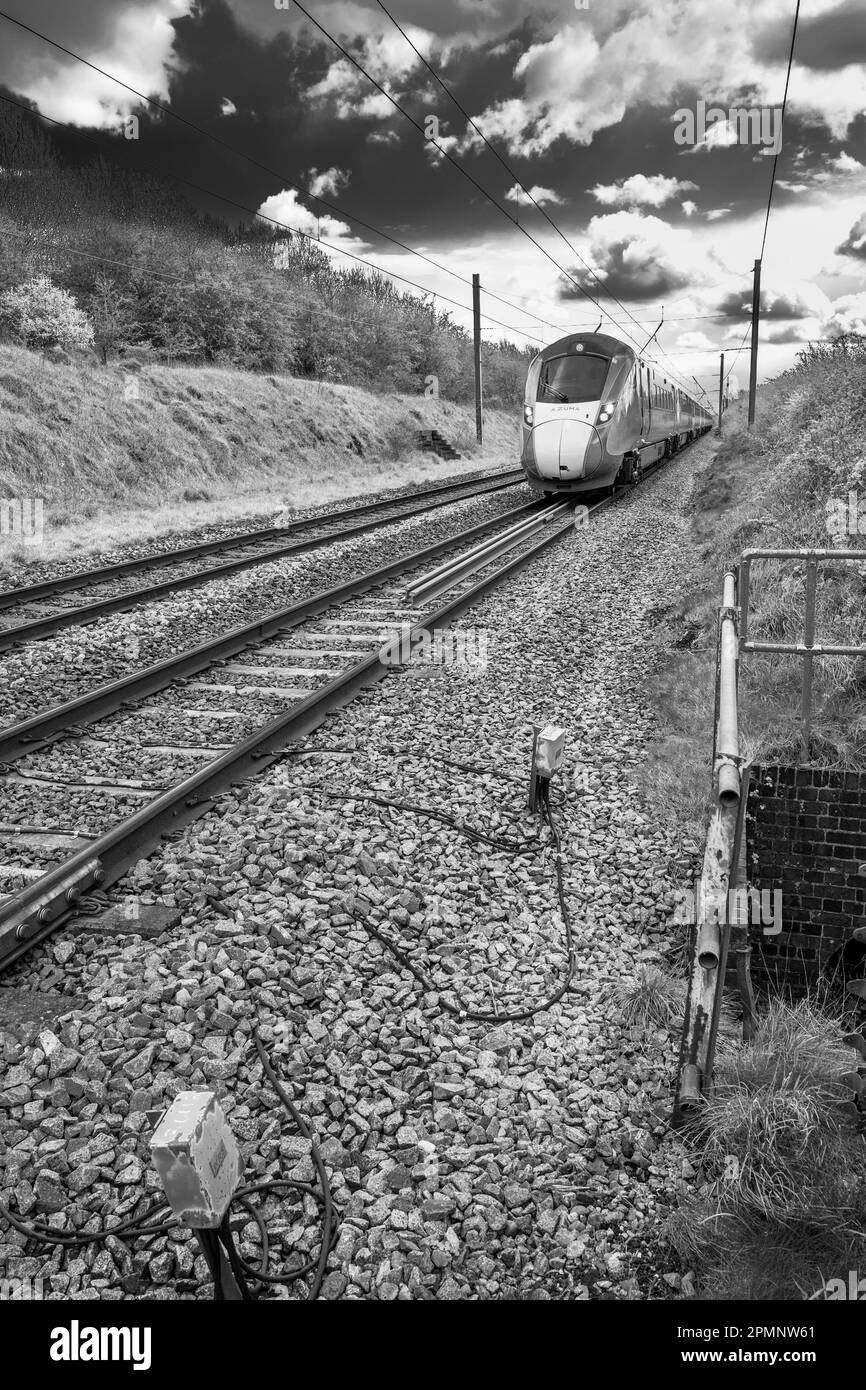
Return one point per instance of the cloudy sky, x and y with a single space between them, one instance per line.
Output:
593 105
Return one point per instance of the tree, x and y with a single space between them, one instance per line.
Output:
41 315
111 313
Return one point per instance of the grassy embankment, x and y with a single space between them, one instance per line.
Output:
774 487
120 455
779 1207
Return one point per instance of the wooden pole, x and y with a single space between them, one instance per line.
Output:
756 314
721 388
476 330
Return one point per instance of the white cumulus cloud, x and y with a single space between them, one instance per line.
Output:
138 50
328 181
653 191
286 209
541 195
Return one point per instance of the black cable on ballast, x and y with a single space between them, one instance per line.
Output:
226 1239
498 842
516 1016
291 1109
38 1230
47 1235
209 1246
210 1240
411 753
289 1276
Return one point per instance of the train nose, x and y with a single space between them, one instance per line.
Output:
563 447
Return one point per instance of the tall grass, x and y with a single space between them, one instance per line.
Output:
651 998
784 1206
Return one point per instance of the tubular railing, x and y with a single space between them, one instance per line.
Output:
720 923
713 937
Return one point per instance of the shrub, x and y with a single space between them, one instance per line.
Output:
41 315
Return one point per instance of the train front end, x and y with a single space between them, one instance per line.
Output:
581 413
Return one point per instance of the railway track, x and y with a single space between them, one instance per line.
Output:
297 665
22 615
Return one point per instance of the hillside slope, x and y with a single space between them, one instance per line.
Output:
95 440
782 485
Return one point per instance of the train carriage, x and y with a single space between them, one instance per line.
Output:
595 414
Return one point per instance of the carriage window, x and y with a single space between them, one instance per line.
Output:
577 377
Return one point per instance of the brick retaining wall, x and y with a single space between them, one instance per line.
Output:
806 834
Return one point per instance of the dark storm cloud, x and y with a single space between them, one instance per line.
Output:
268 79
628 272
213 61
786 335
265 82
444 18
825 42
855 242
773 306
246 55
218 62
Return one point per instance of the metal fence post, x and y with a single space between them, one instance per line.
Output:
743 596
808 642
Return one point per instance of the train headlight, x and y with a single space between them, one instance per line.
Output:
528 414
606 412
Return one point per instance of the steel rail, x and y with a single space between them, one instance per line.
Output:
445 576
11 598
40 909
88 613
36 911
25 737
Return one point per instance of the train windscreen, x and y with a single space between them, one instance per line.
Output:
566 380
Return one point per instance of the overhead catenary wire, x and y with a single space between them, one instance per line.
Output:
505 165
92 255
295 231
265 168
779 150
600 280
167 110
466 173
737 353
324 202
756 308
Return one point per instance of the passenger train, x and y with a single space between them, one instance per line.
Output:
595 414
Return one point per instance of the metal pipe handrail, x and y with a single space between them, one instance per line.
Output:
807 553
799 648
728 732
